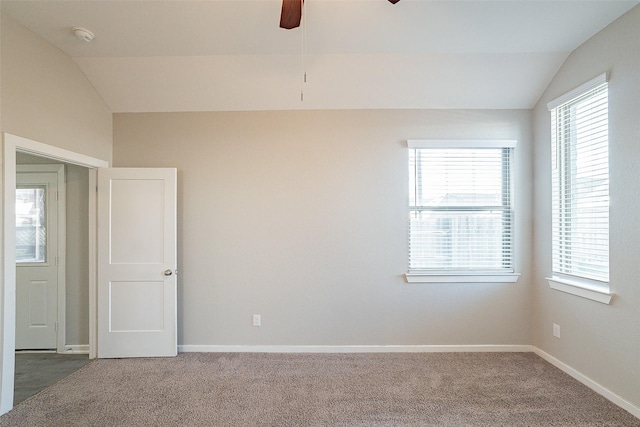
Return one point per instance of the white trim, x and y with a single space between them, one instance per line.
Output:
461 278
583 88
76 349
39 149
353 348
93 263
461 143
13 143
603 391
8 276
62 242
579 289
62 259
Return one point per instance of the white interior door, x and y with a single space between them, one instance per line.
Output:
36 259
137 262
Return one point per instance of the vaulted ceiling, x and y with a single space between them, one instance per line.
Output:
230 55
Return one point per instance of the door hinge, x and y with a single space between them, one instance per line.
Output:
57 260
56 196
56 326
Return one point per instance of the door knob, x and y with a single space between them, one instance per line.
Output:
168 272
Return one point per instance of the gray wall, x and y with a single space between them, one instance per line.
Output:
600 341
47 98
77 262
302 217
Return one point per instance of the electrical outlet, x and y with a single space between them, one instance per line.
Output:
257 321
556 330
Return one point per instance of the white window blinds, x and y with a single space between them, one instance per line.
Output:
460 214
580 167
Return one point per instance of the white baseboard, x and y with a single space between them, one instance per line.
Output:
351 348
76 349
627 406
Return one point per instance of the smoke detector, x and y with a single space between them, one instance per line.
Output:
83 34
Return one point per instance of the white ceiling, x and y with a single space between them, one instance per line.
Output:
231 55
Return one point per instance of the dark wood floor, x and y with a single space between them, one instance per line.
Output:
37 371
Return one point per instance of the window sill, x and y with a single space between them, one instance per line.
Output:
421 277
584 289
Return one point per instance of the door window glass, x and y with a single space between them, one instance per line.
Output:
31 224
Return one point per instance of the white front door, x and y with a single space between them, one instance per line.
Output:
36 258
137 262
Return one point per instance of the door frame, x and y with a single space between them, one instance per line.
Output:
58 169
11 144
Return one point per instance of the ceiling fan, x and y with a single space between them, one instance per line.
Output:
292 13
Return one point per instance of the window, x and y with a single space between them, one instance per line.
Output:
580 185
460 208
31 232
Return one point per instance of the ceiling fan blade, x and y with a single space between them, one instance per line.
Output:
291 14
394 1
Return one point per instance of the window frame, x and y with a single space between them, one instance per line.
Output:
469 275
590 288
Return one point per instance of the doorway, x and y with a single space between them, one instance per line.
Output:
73 259
12 145
52 319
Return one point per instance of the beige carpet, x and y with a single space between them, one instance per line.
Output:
209 389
